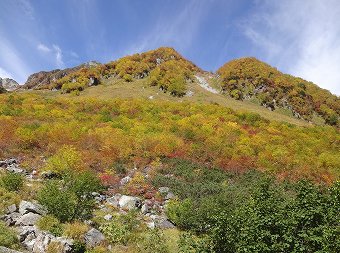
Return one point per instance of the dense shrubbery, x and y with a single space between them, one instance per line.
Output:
249 77
167 69
138 132
252 212
12 181
8 237
70 198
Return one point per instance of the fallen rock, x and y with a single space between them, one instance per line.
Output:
28 219
11 209
30 207
114 200
93 237
15 169
129 202
165 224
6 250
49 175
11 218
163 190
169 195
108 217
125 180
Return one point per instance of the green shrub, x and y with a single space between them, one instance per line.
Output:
51 224
12 181
153 241
122 229
7 198
8 237
189 243
67 159
76 230
70 198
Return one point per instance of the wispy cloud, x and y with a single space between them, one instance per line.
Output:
13 62
58 56
180 30
54 51
43 48
300 37
26 8
4 73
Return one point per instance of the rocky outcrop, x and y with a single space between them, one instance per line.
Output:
11 165
24 219
8 84
44 78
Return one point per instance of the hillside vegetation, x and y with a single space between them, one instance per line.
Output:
164 67
247 78
140 131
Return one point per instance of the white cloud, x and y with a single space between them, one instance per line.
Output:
55 50
300 37
4 73
43 48
180 30
12 61
58 56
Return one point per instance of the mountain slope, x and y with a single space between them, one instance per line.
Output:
165 68
249 78
245 79
8 84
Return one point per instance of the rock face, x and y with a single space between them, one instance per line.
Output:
29 219
44 78
26 207
8 84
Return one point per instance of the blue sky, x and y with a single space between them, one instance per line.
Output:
298 37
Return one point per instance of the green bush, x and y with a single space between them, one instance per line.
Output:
153 241
70 198
7 236
189 243
51 224
122 229
12 181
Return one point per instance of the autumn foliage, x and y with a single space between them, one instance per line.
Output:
249 78
138 132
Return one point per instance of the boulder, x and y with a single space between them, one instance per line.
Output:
6 250
41 242
129 202
8 162
30 207
11 209
108 217
28 219
27 233
93 237
15 169
125 180
163 190
11 218
114 200
49 175
169 195
145 208
165 224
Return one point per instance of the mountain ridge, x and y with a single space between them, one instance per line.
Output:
243 79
